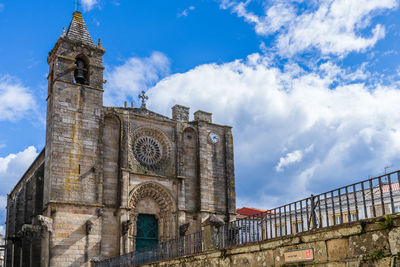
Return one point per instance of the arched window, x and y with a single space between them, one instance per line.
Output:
81 71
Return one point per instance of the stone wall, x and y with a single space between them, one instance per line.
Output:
24 203
363 243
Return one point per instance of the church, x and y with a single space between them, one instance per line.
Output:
112 180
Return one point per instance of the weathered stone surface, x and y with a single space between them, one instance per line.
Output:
337 249
368 243
320 250
394 241
180 113
336 232
336 264
377 263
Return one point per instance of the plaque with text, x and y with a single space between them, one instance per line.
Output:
299 255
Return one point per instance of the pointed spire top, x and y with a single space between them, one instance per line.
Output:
77 30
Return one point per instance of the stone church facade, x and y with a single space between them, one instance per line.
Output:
107 172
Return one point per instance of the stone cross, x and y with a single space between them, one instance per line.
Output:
77 4
144 98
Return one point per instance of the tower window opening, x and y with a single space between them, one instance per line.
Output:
81 72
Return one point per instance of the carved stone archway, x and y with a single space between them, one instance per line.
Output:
165 211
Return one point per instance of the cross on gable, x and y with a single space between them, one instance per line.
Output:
144 98
77 4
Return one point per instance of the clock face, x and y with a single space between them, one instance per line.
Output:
214 138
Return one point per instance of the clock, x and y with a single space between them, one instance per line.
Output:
214 138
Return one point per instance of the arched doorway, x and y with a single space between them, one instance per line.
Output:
147 231
151 205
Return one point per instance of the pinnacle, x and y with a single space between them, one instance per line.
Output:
77 30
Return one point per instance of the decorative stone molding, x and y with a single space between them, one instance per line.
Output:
125 226
45 222
29 231
100 212
154 191
183 229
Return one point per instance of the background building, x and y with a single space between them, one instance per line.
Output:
366 199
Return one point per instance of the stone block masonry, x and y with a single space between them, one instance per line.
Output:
363 243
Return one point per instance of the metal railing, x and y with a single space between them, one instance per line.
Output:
185 245
366 199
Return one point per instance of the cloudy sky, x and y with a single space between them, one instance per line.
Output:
311 88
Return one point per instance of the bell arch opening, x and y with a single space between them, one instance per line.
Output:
81 73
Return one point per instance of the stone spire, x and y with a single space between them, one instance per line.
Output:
77 30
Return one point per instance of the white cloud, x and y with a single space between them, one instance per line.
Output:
333 26
135 75
276 17
88 4
348 130
292 157
185 12
15 99
13 166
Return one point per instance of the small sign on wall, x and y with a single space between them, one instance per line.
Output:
299 255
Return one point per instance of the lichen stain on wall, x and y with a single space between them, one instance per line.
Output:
73 172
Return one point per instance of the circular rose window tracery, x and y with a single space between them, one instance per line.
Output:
148 150
150 147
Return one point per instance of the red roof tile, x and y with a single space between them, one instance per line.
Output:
246 211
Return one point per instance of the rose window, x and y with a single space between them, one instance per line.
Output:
148 150
151 148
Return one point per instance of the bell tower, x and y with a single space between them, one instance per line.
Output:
74 108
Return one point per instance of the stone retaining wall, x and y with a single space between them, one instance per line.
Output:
365 243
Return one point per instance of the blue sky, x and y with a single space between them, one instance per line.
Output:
310 87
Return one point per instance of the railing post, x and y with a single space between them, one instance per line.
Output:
313 219
211 225
264 225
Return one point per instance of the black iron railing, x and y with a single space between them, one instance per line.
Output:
186 245
366 199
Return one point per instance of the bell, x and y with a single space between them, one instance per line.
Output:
80 72
80 76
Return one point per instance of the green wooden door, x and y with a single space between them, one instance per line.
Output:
147 231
